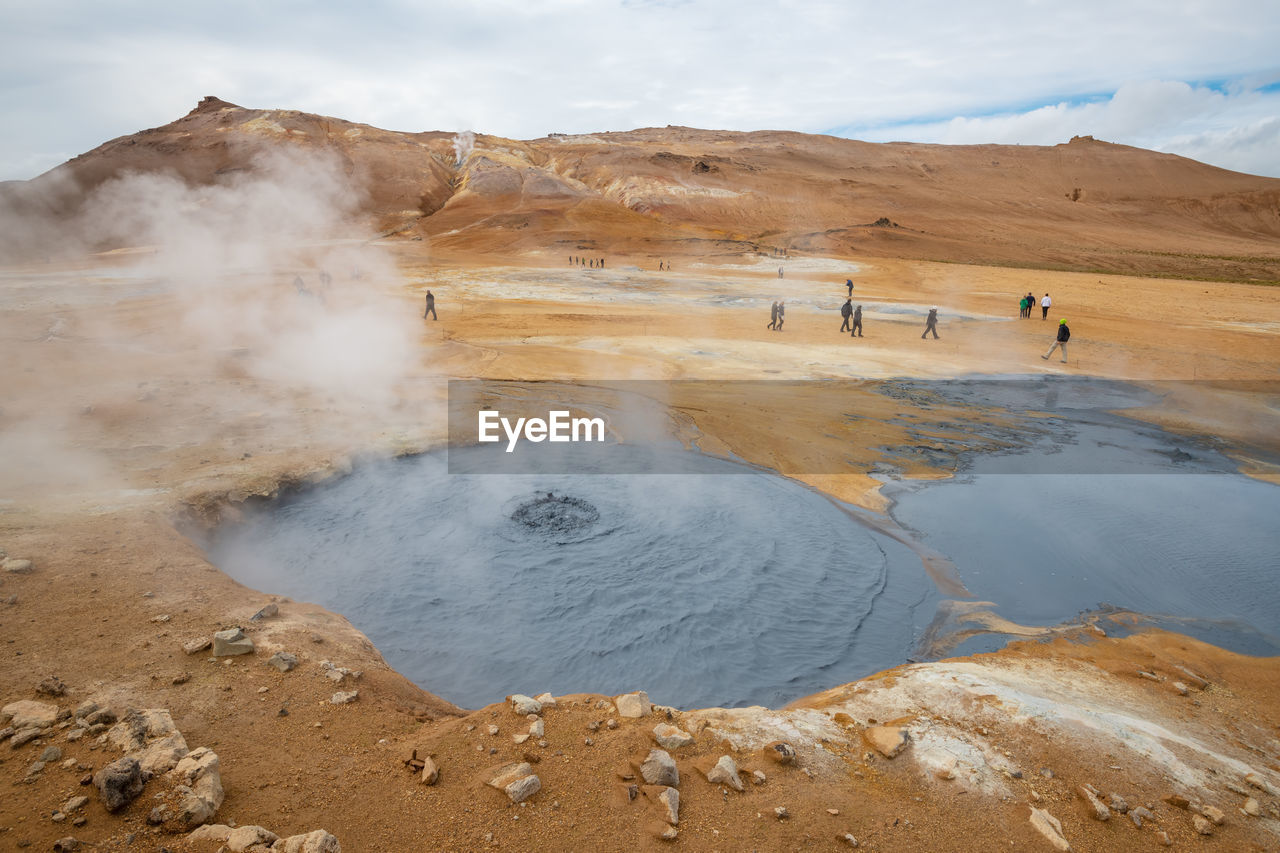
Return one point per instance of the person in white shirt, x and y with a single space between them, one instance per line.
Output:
1045 304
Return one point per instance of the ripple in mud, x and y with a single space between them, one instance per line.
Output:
557 516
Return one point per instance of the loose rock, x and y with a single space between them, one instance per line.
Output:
522 704
198 644
671 737
780 752
1214 814
1097 809
667 801
659 768
1202 826
725 772
231 642
344 697
26 714
887 740
119 783
265 613
634 705
18 567
283 661
318 841
51 686
430 773
1050 827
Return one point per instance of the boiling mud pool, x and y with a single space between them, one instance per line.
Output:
726 587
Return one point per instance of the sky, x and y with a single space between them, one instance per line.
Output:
1199 79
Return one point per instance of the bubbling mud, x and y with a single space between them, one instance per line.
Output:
731 586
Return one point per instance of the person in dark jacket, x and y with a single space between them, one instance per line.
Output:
1064 335
856 331
931 323
782 314
848 282
773 316
846 311
431 307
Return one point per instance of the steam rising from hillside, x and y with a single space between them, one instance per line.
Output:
265 275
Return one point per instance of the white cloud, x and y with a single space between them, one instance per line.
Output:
1235 128
73 75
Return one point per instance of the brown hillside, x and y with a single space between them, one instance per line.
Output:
684 192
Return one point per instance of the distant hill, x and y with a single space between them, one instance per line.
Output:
687 193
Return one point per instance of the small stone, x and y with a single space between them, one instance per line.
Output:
593 726
758 777
24 737
66 845
611 724
119 783
75 804
780 752
887 740
519 739
493 730
522 704
1117 803
51 753
79 820
1253 780
26 714
181 678
671 737
523 788
197 644
430 772
667 801
1140 814
161 619
1163 838
265 613
1181 688
537 728
833 812
725 772
51 686
57 817
1099 811
1214 814
588 741
1176 800
231 642
543 744
283 661
345 697
634 705
659 768
1202 826
850 840
86 708
781 813
1251 807
546 700
18 567
1051 828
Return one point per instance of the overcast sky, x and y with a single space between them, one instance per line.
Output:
1201 79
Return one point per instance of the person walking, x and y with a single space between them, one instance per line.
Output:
431 307
856 331
848 282
846 311
1045 305
1022 307
1031 304
779 272
931 323
773 316
1064 335
782 315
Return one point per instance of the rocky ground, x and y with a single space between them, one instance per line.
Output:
124 432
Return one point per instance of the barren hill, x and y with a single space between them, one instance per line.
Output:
682 192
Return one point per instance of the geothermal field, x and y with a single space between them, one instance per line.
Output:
268 573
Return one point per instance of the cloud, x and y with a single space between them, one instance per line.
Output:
74 76
1234 127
